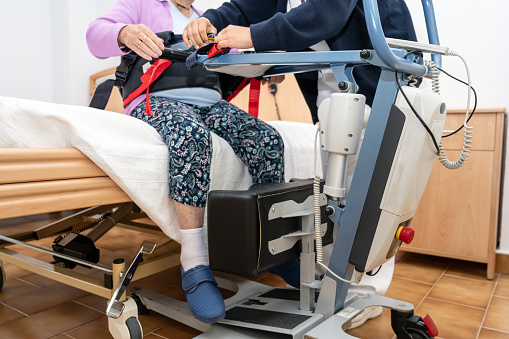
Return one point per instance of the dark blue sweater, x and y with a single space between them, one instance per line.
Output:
339 22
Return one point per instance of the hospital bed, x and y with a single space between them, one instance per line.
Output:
60 157
43 180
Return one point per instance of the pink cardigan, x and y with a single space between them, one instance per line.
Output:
102 33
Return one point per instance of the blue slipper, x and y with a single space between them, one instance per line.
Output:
203 296
290 272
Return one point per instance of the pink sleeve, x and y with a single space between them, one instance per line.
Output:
200 13
102 33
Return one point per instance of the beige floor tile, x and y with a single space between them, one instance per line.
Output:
126 253
467 291
119 238
170 277
149 284
7 314
467 269
97 329
153 336
452 320
152 321
420 268
94 301
487 333
176 293
15 287
496 317
408 290
13 271
178 331
44 298
50 322
502 289
39 280
377 328
119 243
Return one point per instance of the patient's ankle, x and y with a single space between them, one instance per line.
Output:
193 251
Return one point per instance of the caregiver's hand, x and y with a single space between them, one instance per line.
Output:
274 80
234 37
141 40
195 33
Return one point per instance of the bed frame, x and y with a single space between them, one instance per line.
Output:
37 181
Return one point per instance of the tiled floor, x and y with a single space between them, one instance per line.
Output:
456 294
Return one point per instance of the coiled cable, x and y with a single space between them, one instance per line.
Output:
318 215
467 130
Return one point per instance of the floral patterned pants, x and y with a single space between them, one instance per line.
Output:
186 131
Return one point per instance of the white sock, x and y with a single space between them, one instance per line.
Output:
192 251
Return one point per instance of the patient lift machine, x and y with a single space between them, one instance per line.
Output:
394 163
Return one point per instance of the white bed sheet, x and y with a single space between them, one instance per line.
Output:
133 154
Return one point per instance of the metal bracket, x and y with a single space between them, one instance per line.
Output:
288 240
115 307
290 208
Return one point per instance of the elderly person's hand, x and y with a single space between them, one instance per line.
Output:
195 33
141 40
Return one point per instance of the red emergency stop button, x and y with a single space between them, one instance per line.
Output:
405 234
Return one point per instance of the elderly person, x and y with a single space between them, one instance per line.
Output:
184 117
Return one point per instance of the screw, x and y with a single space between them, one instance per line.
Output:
346 149
273 249
343 85
350 135
365 54
273 209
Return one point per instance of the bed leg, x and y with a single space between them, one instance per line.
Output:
127 326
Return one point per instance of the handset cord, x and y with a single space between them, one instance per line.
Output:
467 130
318 215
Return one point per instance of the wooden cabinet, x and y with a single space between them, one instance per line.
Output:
459 212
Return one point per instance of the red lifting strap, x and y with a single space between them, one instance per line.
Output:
237 90
214 51
254 97
147 79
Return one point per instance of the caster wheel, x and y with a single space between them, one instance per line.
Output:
142 309
134 328
418 334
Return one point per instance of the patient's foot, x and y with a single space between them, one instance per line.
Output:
202 293
290 272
